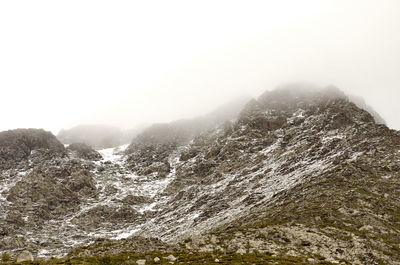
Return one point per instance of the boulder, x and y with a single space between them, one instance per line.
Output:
84 151
170 257
25 256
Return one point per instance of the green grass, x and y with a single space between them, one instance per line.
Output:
184 257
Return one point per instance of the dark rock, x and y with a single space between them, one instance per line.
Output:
84 151
17 145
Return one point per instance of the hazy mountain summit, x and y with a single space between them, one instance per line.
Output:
360 102
150 150
96 136
299 175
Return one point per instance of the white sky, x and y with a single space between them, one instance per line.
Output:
63 63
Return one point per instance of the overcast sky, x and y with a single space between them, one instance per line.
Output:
63 63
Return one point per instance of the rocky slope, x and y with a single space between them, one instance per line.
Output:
299 172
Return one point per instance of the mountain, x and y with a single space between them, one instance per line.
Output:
149 152
301 175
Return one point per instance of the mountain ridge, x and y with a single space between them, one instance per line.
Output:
299 172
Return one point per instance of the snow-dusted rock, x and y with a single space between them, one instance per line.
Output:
189 182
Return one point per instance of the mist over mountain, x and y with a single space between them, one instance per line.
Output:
98 136
360 102
177 132
181 131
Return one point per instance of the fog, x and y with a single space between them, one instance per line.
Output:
123 63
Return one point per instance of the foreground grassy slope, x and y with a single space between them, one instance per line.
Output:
182 258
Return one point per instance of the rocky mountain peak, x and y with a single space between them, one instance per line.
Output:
292 104
17 145
295 95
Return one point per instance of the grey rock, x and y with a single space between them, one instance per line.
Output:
171 258
84 151
25 256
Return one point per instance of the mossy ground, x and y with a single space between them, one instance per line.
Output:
182 258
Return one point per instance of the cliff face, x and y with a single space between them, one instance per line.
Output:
298 172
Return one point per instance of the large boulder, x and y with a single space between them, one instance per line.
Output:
25 256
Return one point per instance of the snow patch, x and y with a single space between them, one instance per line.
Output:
356 155
43 253
296 116
299 114
329 138
113 154
270 148
121 234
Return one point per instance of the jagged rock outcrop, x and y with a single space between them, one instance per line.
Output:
16 146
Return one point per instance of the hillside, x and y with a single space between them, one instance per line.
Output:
300 175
